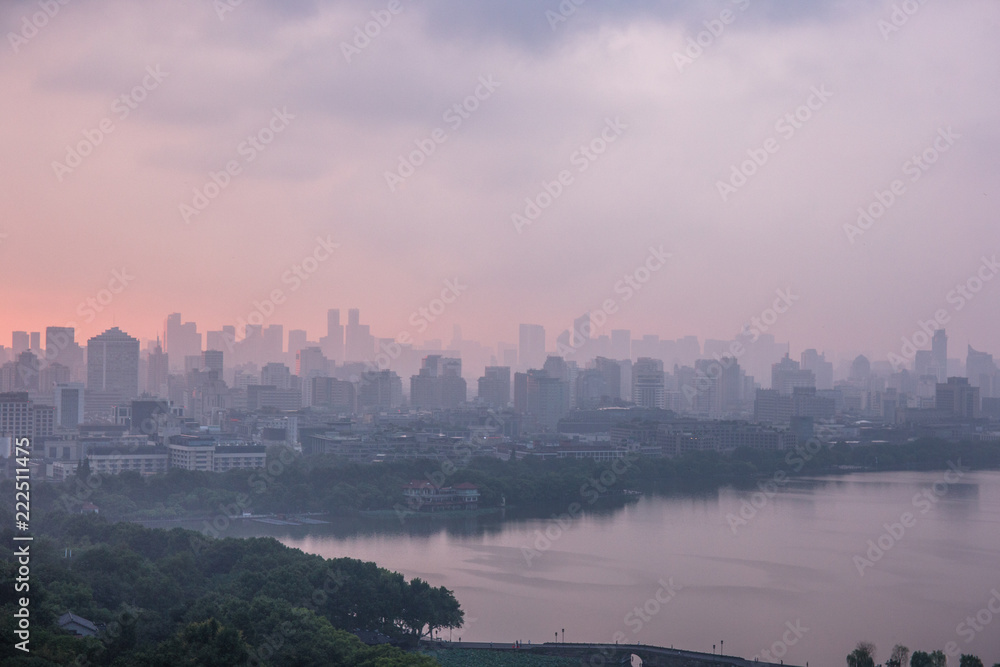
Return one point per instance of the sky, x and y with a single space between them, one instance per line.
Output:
223 157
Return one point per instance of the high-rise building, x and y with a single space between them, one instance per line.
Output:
958 398
61 347
180 340
380 390
310 362
811 360
438 384
359 344
580 337
548 399
297 339
333 394
52 374
786 375
648 383
36 342
939 351
772 407
494 386
113 363
333 342
16 415
20 374
211 360
19 342
272 343
531 345
277 375
157 371
861 370
982 372
69 404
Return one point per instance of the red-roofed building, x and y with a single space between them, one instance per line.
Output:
425 497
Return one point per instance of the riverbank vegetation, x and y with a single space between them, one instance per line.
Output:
322 484
157 597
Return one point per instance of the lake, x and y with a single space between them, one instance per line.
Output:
808 569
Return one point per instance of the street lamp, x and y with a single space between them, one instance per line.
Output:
564 635
722 646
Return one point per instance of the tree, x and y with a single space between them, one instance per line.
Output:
970 661
920 659
939 659
899 657
426 609
863 655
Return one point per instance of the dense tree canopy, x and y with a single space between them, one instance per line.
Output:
173 598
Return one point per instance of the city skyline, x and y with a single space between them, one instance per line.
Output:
913 353
360 183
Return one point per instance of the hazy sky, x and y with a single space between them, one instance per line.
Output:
200 78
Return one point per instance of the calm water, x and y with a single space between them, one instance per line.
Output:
791 563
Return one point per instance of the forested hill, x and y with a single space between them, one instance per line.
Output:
175 598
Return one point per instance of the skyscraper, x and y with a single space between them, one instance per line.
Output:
786 375
297 339
113 363
494 386
69 404
359 344
981 371
939 353
811 360
272 343
180 340
333 342
648 383
19 342
158 371
531 345
212 360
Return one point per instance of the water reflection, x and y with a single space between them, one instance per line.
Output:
792 562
